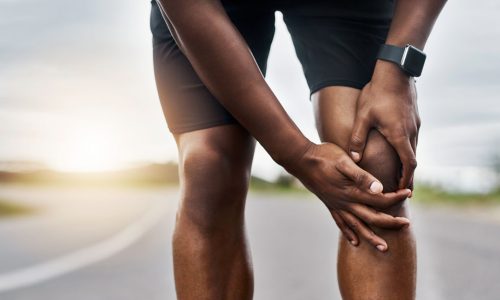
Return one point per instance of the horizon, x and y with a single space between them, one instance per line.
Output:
81 95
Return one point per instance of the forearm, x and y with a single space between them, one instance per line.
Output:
226 66
413 21
412 24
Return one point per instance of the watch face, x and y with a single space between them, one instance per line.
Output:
413 60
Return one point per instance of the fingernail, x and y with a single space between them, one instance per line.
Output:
381 247
411 194
376 187
353 242
355 155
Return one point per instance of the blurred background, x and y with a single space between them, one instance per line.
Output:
88 169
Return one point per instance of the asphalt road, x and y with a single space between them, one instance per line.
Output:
115 244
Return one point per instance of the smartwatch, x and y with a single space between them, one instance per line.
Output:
409 58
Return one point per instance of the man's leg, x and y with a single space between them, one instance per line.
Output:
363 271
211 256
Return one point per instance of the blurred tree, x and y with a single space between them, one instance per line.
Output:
285 180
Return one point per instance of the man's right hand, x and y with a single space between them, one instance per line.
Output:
351 194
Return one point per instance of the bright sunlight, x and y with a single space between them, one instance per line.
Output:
87 149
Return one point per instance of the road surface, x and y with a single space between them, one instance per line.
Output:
104 243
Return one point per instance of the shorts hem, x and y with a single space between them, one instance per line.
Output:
188 128
335 82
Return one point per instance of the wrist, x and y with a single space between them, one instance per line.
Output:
389 75
290 153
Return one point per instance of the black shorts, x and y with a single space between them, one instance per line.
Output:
336 42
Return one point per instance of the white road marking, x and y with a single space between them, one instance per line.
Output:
81 258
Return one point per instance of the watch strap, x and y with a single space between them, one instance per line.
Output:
391 53
409 58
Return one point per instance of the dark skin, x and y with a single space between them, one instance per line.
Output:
211 256
354 196
363 272
228 69
390 90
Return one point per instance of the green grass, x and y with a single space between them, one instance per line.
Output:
10 209
263 186
434 195
425 194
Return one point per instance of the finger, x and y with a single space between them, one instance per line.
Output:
358 137
408 160
413 144
363 231
411 187
379 219
414 147
346 231
380 201
362 179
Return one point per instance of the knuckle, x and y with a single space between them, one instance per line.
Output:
371 220
419 123
360 178
355 196
370 236
356 141
413 130
354 225
381 218
387 219
395 138
343 163
412 163
399 131
364 116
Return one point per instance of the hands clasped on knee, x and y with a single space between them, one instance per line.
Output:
351 194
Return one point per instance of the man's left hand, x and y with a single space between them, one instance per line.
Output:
389 104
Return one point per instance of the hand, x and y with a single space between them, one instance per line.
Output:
389 104
349 192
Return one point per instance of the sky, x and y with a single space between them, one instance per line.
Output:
77 90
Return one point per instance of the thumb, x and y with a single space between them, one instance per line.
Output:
358 138
365 181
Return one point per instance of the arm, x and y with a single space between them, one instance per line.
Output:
389 102
224 63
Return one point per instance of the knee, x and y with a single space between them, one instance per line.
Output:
381 160
214 180
212 170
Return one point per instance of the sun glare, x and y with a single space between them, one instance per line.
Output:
87 150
